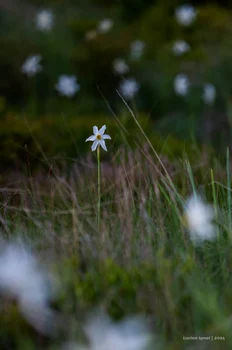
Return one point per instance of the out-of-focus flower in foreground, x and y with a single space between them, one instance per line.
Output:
120 66
136 49
98 138
44 20
103 334
209 93
22 279
185 14
67 85
180 47
199 217
181 84
105 25
128 88
32 65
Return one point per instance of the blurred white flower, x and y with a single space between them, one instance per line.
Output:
98 138
185 14
180 47
181 84
103 334
67 85
136 49
199 216
32 65
128 88
90 35
44 20
105 25
22 279
120 66
209 93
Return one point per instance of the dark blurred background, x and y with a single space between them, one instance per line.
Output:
62 63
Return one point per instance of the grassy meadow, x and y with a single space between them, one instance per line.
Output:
139 258
124 244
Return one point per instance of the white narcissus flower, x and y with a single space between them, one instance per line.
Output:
137 48
44 20
209 93
32 65
105 25
185 15
180 47
199 216
98 138
67 85
103 334
181 84
21 278
120 66
128 88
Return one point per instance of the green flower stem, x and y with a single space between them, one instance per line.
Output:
99 187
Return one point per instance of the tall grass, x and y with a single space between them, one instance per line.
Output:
142 260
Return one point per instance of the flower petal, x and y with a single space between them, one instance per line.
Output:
91 138
103 144
94 145
106 137
102 130
95 130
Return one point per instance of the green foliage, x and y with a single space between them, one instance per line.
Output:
142 260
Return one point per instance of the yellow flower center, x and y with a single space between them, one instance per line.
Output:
98 137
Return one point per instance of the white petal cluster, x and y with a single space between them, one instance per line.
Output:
105 25
32 65
44 20
185 15
180 47
181 84
120 66
128 88
103 334
98 138
21 278
209 93
67 85
137 49
199 216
